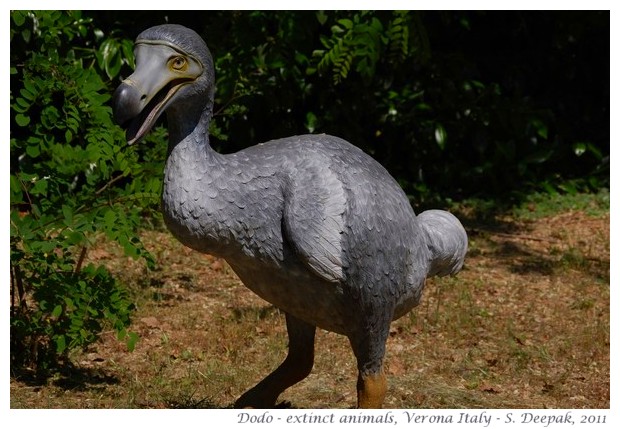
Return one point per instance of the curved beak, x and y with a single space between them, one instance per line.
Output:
161 71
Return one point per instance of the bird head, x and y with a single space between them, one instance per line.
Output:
173 67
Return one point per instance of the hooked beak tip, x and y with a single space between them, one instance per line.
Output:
126 103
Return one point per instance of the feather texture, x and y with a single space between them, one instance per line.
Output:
310 223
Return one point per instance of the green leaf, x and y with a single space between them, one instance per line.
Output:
46 246
110 55
22 120
18 108
112 69
19 17
541 128
594 150
441 136
127 48
22 102
27 94
132 340
26 35
61 344
346 23
121 334
67 212
57 311
49 117
311 122
30 86
75 237
33 150
579 148
110 218
16 190
69 304
337 30
40 187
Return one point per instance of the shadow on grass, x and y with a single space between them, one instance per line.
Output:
507 249
521 260
190 402
253 313
505 228
67 376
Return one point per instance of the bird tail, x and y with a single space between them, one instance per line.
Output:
446 240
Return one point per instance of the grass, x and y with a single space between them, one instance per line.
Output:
524 325
539 205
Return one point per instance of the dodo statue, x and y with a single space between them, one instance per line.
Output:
310 223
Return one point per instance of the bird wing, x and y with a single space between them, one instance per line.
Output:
314 210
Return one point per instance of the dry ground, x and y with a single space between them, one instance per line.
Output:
524 325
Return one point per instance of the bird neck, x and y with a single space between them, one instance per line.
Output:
189 151
189 123
190 168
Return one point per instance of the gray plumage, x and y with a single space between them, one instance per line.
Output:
310 223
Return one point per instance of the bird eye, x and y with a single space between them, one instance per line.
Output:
178 63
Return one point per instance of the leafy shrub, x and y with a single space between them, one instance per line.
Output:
362 41
71 181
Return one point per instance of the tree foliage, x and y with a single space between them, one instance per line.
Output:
70 181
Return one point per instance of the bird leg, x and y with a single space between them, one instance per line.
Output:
369 349
296 367
371 389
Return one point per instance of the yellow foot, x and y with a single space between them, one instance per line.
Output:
371 390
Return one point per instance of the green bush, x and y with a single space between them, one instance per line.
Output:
72 181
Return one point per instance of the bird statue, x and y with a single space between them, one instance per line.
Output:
310 223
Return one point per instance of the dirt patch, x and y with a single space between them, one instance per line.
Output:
524 325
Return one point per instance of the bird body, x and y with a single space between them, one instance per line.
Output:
310 223
306 222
